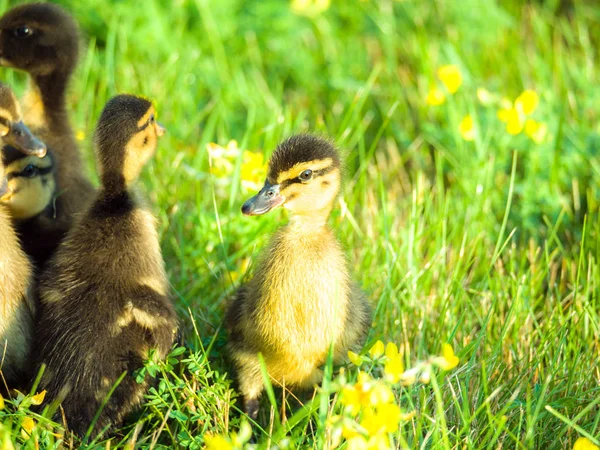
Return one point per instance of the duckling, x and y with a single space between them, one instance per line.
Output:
43 40
301 299
16 306
104 296
30 201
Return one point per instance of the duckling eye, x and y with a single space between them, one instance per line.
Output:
151 118
306 175
23 31
30 171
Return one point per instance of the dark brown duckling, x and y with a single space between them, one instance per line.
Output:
301 299
104 296
16 306
43 40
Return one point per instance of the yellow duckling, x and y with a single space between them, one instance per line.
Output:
301 299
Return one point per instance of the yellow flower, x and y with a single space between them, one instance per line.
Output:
38 398
504 114
527 102
535 130
80 135
584 443
448 360
349 429
363 393
515 123
384 419
27 426
310 7
451 77
435 97
1 402
515 116
221 158
467 128
217 442
514 119
391 350
377 350
354 358
350 398
380 394
394 368
253 170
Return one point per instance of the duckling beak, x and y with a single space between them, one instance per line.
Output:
160 129
267 199
21 138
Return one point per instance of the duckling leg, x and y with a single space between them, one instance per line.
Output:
250 381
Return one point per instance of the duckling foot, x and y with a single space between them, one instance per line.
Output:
251 407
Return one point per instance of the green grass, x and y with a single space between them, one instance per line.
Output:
492 245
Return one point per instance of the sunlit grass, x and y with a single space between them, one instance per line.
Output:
490 243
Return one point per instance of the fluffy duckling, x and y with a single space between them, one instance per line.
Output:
104 296
301 299
16 307
43 40
30 201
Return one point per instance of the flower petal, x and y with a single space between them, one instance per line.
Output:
391 350
355 358
527 102
448 360
451 77
38 398
584 443
535 130
467 128
377 350
435 97
394 368
217 442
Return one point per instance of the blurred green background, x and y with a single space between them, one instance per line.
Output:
490 243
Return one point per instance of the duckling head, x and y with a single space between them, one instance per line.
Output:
304 176
30 183
126 137
40 38
12 129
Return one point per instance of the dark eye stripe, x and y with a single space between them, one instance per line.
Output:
41 171
316 173
143 127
